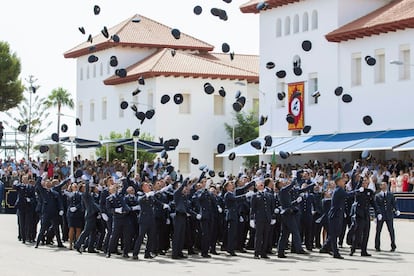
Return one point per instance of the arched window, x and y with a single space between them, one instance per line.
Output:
305 22
278 27
314 20
287 26
296 24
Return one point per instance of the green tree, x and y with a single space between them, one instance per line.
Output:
128 154
11 88
59 98
246 126
35 116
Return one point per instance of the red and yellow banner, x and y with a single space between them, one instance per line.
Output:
296 99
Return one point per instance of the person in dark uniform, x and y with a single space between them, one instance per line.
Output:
91 214
335 218
363 201
216 220
261 217
306 218
107 216
132 201
317 213
232 214
25 204
387 207
74 213
181 211
146 221
289 220
52 208
244 209
161 236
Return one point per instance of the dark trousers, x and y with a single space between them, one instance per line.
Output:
147 228
231 235
89 231
334 230
46 222
317 229
25 223
361 233
119 228
179 234
108 225
214 234
65 228
346 223
242 230
390 226
261 238
307 230
289 226
205 226
161 236
190 237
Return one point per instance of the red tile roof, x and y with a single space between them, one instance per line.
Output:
146 33
184 64
250 7
397 15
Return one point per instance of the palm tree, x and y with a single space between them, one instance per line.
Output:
59 98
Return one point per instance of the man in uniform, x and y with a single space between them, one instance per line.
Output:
181 211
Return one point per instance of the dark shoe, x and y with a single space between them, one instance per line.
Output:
92 251
182 256
265 257
340 245
191 252
206 256
214 253
324 251
126 256
36 246
256 257
135 257
338 257
242 250
61 246
281 255
309 249
176 257
162 253
148 256
393 249
365 254
108 255
378 249
303 252
233 254
352 252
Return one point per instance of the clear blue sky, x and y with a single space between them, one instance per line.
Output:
40 31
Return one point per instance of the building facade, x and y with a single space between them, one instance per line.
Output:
169 66
344 35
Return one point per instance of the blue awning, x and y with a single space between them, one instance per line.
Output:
246 149
297 143
338 142
385 141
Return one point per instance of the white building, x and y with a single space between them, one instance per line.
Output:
342 34
145 50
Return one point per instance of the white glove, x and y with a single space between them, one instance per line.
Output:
277 211
356 165
136 208
149 194
105 217
28 199
397 213
344 215
98 216
60 213
118 210
198 217
299 200
364 172
361 190
168 221
73 209
166 206
252 224
313 212
273 222
220 210
249 193
241 219
379 217
44 175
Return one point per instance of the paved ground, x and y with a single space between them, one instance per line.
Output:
19 259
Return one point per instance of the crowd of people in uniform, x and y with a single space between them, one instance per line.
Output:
114 208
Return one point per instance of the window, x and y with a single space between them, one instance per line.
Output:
296 24
278 27
184 162
405 68
280 88
80 112
313 86
81 74
314 20
101 69
150 100
287 26
218 105
305 22
104 109
92 111
121 111
379 66
94 71
185 107
356 69
255 106
218 163
87 72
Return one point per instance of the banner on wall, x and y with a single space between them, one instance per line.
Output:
296 96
